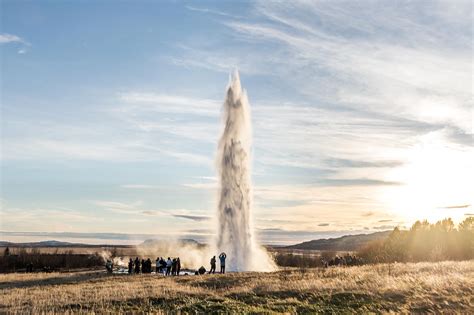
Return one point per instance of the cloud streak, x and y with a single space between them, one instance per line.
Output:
192 217
6 38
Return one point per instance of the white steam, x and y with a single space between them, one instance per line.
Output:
235 234
192 255
117 261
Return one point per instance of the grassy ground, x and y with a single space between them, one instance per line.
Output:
423 287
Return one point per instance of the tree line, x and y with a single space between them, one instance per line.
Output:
442 240
34 260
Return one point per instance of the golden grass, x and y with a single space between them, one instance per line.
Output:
422 287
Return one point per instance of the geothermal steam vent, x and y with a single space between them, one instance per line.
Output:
235 231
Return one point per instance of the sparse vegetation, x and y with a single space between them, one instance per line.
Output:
413 287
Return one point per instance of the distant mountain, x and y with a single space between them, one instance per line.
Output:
53 243
146 243
343 243
39 244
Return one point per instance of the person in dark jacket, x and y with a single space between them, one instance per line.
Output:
173 267
163 265
169 263
109 265
130 266
137 265
178 266
148 265
201 270
213 265
157 265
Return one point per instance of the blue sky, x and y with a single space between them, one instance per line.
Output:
362 114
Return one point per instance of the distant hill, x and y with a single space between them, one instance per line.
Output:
39 244
343 243
53 243
146 243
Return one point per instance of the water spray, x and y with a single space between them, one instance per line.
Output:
235 234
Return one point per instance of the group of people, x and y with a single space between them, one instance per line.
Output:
162 266
222 258
167 267
137 266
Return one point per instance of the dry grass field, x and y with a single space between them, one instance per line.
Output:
422 287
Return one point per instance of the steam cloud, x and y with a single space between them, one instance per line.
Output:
235 231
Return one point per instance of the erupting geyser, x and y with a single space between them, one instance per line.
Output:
235 231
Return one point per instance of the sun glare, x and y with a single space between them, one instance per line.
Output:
436 182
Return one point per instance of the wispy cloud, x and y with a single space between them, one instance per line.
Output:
137 208
121 207
384 227
138 186
167 103
391 73
456 207
211 11
202 185
6 38
10 38
192 217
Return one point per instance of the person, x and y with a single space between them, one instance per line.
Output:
109 266
163 265
130 266
348 259
148 265
157 265
178 266
222 258
202 270
173 267
168 266
213 265
325 263
137 265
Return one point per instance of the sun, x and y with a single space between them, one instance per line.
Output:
436 182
